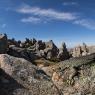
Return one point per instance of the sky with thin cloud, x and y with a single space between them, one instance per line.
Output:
70 21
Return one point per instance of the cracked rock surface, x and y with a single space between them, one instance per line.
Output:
20 77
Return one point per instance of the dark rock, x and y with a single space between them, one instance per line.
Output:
21 53
3 43
51 50
40 45
14 42
8 84
34 41
63 53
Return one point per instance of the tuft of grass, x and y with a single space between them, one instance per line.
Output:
44 62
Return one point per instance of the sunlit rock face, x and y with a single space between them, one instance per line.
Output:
80 51
51 50
20 77
40 68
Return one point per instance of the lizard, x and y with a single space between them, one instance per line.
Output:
74 63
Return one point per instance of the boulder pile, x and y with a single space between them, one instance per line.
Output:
34 67
31 49
80 51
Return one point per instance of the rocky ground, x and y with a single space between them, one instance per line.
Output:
40 68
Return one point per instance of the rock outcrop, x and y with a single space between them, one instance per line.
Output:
39 68
77 51
84 50
3 43
51 50
80 51
63 53
91 49
14 42
22 53
28 43
31 49
20 77
74 76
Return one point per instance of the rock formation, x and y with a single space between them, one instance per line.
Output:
80 51
39 68
22 53
3 43
48 50
74 76
51 50
14 42
77 51
63 53
84 50
20 77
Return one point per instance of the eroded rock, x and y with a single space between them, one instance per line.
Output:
25 78
3 43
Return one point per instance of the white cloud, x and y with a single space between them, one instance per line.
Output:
3 25
38 15
31 20
70 3
86 23
48 13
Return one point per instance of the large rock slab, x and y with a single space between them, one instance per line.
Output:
23 78
22 53
20 77
75 76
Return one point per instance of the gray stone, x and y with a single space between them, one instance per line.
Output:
63 53
3 43
51 50
22 53
77 51
24 78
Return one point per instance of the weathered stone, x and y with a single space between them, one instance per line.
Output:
80 51
40 45
28 43
84 50
22 44
77 80
51 50
22 53
24 78
3 43
34 41
63 53
77 51
14 42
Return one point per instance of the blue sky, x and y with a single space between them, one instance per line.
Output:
70 21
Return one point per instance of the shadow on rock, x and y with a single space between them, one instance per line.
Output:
8 84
